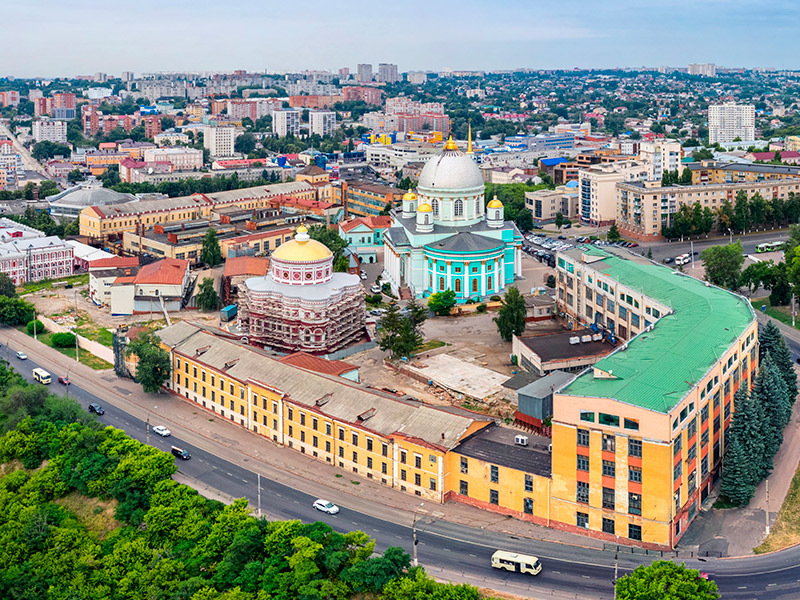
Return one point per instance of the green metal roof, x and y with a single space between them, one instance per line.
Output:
659 367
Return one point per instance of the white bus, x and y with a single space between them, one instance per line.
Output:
516 563
41 376
770 247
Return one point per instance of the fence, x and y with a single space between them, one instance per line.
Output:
90 346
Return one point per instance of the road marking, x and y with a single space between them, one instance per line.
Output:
585 576
245 480
771 584
398 537
447 549
741 587
476 556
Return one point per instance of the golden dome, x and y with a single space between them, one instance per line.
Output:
494 203
302 248
409 196
450 145
424 207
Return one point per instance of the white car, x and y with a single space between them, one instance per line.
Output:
162 431
375 289
326 506
363 275
22 356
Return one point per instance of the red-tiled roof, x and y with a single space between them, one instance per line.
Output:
246 265
770 155
115 262
168 271
379 222
318 364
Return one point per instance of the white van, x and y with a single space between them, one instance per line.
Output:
683 259
516 563
41 376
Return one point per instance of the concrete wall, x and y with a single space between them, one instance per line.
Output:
90 346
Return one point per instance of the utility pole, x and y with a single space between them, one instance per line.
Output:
766 515
259 495
415 560
794 312
616 567
691 252
34 325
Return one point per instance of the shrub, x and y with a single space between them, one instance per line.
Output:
377 298
37 324
495 298
481 308
63 340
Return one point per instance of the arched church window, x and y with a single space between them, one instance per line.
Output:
425 220
477 205
489 283
458 286
458 207
441 283
435 205
474 286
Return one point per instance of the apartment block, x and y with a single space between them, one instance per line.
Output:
364 72
727 122
48 130
366 199
370 95
181 158
662 155
285 122
711 171
545 204
322 123
704 69
643 208
387 73
597 188
638 439
219 140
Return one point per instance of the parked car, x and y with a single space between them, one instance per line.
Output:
181 453
375 289
363 275
669 260
95 408
562 237
162 431
326 506
64 380
22 356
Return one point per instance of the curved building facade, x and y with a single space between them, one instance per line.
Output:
302 304
446 237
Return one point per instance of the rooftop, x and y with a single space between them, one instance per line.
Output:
246 265
318 364
495 444
167 271
556 346
656 369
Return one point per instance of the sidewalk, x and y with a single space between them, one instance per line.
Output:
208 431
736 531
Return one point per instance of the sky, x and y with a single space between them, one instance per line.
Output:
51 38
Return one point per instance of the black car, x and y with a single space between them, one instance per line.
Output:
181 453
95 408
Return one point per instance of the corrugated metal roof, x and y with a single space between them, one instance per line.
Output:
343 401
661 366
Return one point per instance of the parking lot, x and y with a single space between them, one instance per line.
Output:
543 248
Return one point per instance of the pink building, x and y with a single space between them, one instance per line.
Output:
370 95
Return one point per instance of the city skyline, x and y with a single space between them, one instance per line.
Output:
83 37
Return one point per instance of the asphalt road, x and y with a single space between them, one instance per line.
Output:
28 162
447 549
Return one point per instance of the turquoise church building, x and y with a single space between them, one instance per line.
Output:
447 238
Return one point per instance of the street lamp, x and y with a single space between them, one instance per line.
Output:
415 561
147 425
730 236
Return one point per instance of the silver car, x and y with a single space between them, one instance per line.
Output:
326 506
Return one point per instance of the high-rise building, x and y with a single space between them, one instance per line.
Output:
597 189
704 69
152 125
219 140
344 73
127 76
285 122
727 122
387 73
322 122
365 72
47 130
417 77
662 155
100 77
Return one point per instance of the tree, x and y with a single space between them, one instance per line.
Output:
207 298
771 342
15 311
36 325
741 212
510 319
63 340
686 176
559 220
46 150
416 312
551 281
330 238
154 367
723 264
665 580
245 143
613 234
442 302
769 390
211 253
742 464
74 176
757 275
7 287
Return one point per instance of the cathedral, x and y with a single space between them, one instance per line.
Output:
302 305
447 238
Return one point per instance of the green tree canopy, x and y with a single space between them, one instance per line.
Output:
207 298
154 366
613 234
211 254
442 302
665 580
7 287
510 319
245 143
742 464
723 264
